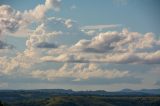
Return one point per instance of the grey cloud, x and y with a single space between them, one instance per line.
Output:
98 50
46 45
42 38
9 19
4 45
9 25
115 42
117 58
104 42
113 47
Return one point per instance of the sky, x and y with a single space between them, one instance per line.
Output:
79 44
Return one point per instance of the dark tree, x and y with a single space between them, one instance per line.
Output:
1 103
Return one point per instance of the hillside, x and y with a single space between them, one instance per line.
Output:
12 95
61 97
89 101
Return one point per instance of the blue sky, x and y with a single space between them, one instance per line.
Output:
79 44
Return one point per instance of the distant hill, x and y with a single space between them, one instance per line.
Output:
21 95
146 91
62 97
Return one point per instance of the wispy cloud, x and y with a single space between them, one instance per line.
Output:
100 27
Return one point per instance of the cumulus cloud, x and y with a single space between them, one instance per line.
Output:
112 47
62 40
41 9
10 19
24 60
78 72
54 30
40 38
102 43
118 58
141 58
13 21
124 41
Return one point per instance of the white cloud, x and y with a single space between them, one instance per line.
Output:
16 22
55 4
115 42
111 47
25 60
90 32
139 58
40 38
68 23
78 72
116 58
104 42
115 47
100 27
41 9
10 19
13 21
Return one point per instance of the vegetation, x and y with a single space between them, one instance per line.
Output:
89 101
61 97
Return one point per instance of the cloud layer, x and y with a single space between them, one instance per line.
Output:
111 47
12 20
60 49
78 72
